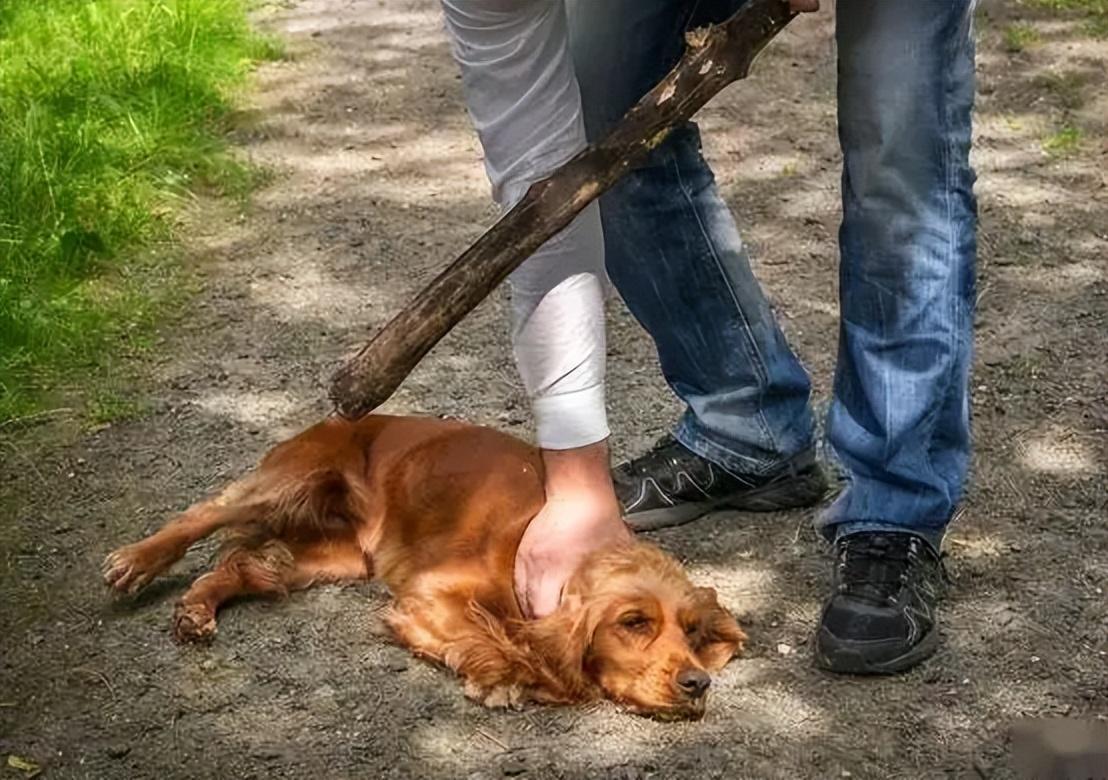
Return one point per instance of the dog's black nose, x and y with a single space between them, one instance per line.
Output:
694 682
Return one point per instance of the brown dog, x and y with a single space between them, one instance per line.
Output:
436 510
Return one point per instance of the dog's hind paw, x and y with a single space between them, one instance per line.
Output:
194 623
130 569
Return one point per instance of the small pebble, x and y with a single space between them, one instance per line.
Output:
118 751
513 767
785 649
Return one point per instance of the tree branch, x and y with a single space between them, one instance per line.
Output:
715 57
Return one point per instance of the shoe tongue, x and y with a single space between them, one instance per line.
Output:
877 593
874 568
879 548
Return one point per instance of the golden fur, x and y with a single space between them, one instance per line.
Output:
436 510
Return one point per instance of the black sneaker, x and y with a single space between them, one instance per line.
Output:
880 618
671 485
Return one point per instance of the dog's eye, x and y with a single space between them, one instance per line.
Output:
634 621
692 630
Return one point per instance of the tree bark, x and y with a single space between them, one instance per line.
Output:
715 57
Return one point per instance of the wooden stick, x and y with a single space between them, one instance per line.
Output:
715 57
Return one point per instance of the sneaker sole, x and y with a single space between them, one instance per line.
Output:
836 655
805 490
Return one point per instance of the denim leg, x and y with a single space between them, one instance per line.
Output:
674 253
899 419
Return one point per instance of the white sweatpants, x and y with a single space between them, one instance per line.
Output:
522 95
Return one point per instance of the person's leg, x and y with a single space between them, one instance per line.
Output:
675 255
899 418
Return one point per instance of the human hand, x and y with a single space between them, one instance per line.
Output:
803 6
581 515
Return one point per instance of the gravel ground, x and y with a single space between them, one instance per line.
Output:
378 183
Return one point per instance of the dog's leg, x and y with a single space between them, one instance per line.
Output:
131 568
264 570
455 632
271 568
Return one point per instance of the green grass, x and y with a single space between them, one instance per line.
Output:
1064 142
111 111
1019 36
108 405
1095 12
1067 88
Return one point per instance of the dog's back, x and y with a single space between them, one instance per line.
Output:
391 497
441 494
437 509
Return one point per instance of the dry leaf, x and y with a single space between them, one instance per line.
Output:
24 765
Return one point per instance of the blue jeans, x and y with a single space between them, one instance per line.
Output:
899 418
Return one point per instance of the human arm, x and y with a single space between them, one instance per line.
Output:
523 98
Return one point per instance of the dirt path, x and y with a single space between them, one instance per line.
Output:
379 182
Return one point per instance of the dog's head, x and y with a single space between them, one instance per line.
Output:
632 625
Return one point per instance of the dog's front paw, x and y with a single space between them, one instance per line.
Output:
194 623
499 697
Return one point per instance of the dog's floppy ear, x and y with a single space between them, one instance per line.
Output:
570 628
720 638
562 641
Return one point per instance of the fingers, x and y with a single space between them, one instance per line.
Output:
523 596
545 595
803 6
538 587
581 515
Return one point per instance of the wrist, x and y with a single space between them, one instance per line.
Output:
578 472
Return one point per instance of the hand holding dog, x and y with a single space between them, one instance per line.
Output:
581 514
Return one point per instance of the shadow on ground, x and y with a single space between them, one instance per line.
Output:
379 183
